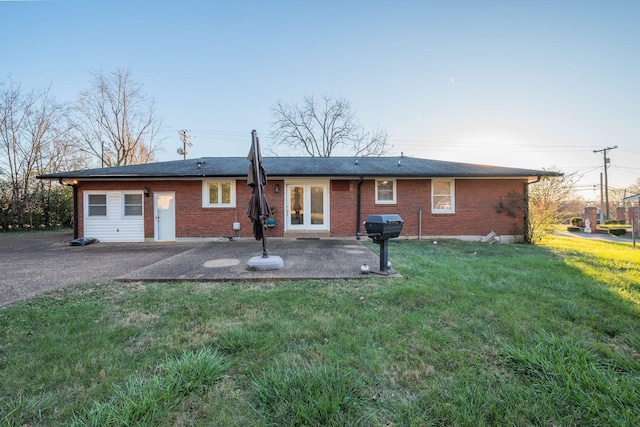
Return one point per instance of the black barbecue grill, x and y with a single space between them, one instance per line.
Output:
381 228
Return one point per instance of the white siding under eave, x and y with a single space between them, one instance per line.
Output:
115 227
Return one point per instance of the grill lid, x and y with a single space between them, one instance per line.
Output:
384 219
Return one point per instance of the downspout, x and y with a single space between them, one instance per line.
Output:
358 209
527 237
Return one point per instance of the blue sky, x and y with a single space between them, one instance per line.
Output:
535 84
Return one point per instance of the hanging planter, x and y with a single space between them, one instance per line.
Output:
271 221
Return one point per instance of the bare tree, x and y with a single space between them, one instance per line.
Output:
34 138
634 188
572 207
545 201
116 120
322 127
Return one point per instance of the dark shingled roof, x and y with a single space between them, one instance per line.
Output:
338 167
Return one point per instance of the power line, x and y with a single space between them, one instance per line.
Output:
630 150
450 145
433 141
624 167
218 136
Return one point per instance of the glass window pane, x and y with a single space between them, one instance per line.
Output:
133 199
133 210
297 205
97 205
385 190
133 204
97 199
97 210
443 197
317 205
442 187
442 202
213 193
226 193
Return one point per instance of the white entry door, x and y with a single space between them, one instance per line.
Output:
307 206
165 216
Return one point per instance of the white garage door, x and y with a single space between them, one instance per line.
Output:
114 216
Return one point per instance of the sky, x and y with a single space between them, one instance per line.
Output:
531 84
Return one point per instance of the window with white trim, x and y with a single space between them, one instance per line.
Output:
443 196
96 205
132 204
218 194
385 191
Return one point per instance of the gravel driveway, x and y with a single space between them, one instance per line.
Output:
33 263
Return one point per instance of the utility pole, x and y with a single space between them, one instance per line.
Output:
606 181
184 137
601 200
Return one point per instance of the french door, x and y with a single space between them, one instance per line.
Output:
307 206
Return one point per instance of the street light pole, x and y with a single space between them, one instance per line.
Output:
606 180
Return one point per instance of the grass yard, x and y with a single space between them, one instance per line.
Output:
473 334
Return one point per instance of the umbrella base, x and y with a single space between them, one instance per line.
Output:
265 263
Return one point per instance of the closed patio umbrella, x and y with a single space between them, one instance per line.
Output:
258 209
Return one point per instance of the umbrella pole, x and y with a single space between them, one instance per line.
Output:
264 243
256 166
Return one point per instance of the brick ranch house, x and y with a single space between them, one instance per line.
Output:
312 197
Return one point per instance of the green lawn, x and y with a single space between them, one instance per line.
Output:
473 334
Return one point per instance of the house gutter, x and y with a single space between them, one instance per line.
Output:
358 209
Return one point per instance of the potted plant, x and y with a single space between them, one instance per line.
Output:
271 221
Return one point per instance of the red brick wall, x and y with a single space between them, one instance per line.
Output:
591 214
192 220
476 203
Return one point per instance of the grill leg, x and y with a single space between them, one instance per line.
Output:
384 254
